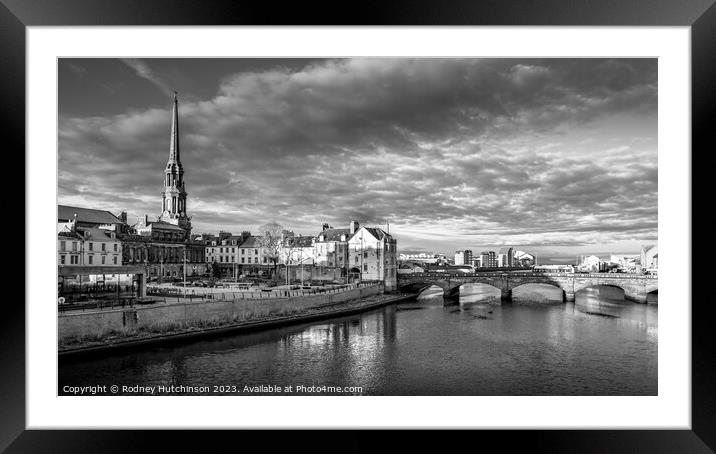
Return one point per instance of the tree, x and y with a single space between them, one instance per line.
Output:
214 270
271 241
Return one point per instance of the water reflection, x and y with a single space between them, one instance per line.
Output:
599 345
537 293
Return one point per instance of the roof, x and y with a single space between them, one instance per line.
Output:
165 225
333 234
252 241
88 215
97 234
377 232
301 241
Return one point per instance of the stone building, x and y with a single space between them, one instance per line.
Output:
87 246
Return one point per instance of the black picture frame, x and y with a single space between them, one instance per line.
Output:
16 15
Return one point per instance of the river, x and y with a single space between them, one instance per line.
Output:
598 345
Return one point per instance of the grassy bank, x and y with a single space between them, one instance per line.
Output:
248 320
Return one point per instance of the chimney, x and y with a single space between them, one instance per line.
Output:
354 227
123 217
325 226
74 222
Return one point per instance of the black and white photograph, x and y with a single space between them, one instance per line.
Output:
364 226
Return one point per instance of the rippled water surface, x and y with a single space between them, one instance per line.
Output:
600 345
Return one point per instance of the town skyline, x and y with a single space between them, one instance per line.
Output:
557 157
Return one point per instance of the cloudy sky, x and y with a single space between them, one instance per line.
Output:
554 156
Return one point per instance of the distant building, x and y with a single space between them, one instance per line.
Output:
590 264
522 258
463 257
628 263
649 257
488 259
554 268
504 257
410 268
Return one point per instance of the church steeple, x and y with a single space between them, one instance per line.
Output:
174 143
174 194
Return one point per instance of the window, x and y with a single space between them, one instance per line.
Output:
242 260
63 246
256 251
356 259
264 259
74 246
256 260
103 257
91 246
73 260
104 247
221 258
89 259
232 259
365 255
365 267
115 247
114 259
62 259
243 251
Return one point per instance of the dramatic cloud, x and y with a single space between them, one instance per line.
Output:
453 153
142 70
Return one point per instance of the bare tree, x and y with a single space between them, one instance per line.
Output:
271 240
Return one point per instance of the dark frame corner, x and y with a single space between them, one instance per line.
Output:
16 15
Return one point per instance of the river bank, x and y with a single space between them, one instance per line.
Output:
90 345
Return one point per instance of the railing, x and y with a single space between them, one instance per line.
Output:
97 304
168 294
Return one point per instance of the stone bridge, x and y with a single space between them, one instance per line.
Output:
635 286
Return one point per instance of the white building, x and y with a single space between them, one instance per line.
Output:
250 252
626 262
649 257
590 263
504 257
372 255
331 247
522 258
87 246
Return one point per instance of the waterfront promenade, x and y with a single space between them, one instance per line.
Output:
160 322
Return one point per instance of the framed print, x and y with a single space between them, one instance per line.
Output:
424 218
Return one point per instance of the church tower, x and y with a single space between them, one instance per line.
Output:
174 194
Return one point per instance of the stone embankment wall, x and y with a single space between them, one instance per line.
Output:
156 318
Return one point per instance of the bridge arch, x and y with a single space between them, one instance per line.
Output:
560 293
461 291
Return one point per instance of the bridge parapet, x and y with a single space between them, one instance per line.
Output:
635 286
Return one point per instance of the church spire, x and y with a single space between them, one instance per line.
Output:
174 193
174 143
